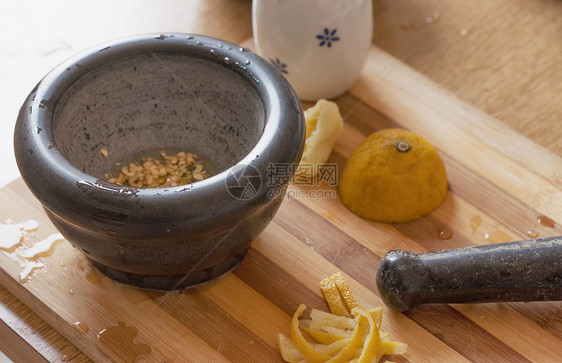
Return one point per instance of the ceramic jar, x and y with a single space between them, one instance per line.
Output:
320 46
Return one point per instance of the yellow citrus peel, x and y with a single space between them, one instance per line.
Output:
337 337
324 126
323 337
332 296
344 290
372 340
301 344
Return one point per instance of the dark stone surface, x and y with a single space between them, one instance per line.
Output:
147 93
514 271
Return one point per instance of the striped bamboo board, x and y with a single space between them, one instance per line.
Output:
502 187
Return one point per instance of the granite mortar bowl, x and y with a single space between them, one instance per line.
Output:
161 92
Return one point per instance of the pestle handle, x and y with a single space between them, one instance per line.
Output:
515 271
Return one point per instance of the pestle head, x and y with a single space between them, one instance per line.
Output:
514 271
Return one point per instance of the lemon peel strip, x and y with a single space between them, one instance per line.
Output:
344 290
376 314
339 338
391 347
311 355
347 353
322 319
288 350
332 296
373 338
323 337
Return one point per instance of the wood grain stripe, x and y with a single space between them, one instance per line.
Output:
462 334
277 242
41 338
509 317
425 107
548 316
266 277
362 265
330 242
248 307
218 328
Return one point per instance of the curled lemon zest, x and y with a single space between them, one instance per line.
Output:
311 355
338 338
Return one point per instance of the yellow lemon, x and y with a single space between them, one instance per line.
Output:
393 176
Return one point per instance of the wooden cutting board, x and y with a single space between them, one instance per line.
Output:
502 187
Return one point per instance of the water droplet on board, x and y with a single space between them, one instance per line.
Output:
532 233
93 276
497 237
475 223
30 225
62 264
308 242
463 32
43 247
28 268
132 293
12 234
545 221
429 20
71 292
81 264
81 327
119 340
445 234
64 358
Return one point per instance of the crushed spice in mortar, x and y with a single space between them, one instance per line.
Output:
173 170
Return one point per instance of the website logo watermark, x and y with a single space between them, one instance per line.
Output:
243 182
312 181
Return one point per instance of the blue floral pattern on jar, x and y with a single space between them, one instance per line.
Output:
281 67
328 37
